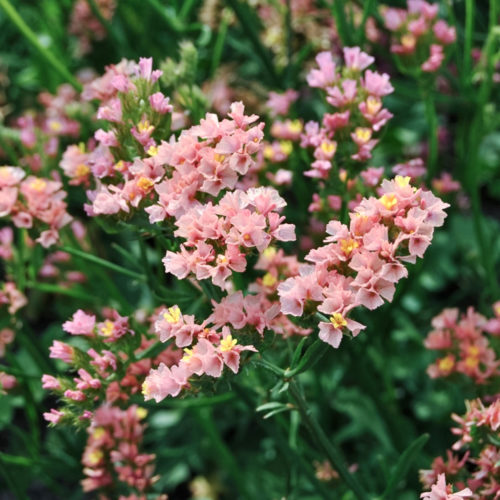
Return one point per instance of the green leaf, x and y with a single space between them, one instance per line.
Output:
403 464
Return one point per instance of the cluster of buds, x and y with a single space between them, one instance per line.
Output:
42 132
12 297
86 26
478 464
210 349
111 370
112 456
466 347
356 94
218 237
31 200
359 265
7 381
418 36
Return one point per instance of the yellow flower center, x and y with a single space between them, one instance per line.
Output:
295 126
98 433
188 354
38 185
269 252
227 343
152 151
219 158
107 328
144 183
337 320
402 181
408 40
172 314
269 280
446 364
389 201
363 134
95 456
141 413
373 105
144 126
82 170
328 147
119 165
286 147
348 245
268 152
471 362
55 126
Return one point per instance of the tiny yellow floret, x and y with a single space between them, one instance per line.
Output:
98 433
219 158
268 152
145 126
269 252
402 181
337 320
82 170
95 456
145 183
38 185
348 245
389 201
446 364
153 151
107 328
269 279
373 105
227 343
363 134
172 314
141 413
188 353
328 147
286 147
295 126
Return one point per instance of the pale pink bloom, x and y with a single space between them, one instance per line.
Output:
356 59
279 104
326 74
50 382
435 60
75 395
163 382
80 324
377 84
342 97
60 350
440 491
54 416
295 292
160 103
444 33
7 382
106 138
86 381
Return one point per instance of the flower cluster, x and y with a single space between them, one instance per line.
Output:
86 26
479 465
356 94
33 200
11 296
418 36
442 491
210 350
218 236
113 451
111 370
466 347
359 265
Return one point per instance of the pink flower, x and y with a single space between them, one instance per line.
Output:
325 75
54 416
80 324
356 59
50 382
62 351
440 491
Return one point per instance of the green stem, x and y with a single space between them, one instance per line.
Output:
206 422
432 122
469 32
31 37
331 452
219 43
104 263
